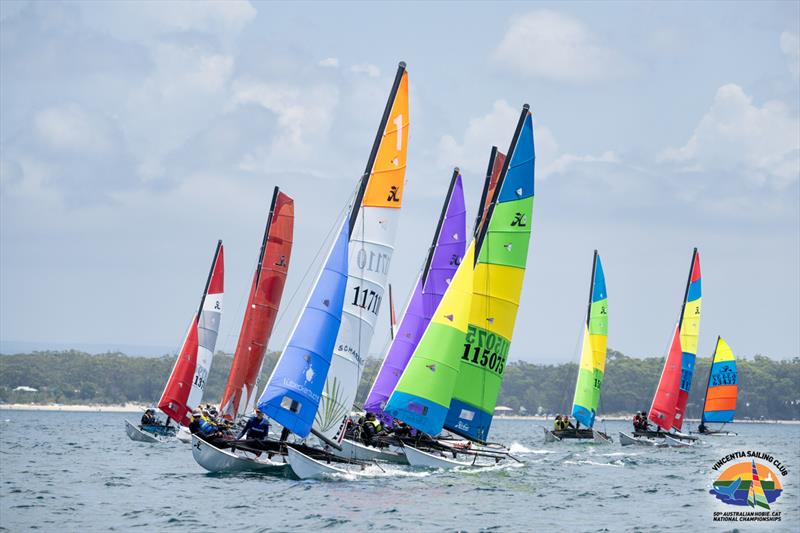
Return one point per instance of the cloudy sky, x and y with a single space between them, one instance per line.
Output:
132 136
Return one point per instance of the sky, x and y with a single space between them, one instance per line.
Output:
134 135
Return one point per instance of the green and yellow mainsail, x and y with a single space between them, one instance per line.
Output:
423 393
501 255
593 351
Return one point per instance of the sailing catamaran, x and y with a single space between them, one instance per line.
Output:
443 257
186 383
593 362
454 375
266 290
315 379
669 402
721 390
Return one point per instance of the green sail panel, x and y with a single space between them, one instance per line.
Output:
497 284
593 351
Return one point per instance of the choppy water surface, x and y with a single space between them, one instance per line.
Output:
79 471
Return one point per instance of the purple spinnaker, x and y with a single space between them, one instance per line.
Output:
444 256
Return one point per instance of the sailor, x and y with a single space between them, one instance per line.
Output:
702 427
557 423
401 429
257 428
566 424
149 418
370 428
203 428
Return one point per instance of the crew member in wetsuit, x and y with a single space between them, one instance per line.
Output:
370 429
149 418
256 429
565 422
557 423
401 429
204 429
702 427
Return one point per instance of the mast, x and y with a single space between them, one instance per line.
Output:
432 249
496 194
362 188
708 383
208 281
485 192
266 234
591 289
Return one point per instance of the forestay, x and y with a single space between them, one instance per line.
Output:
444 256
502 252
373 222
593 352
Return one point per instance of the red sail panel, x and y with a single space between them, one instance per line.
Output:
662 411
262 308
497 167
174 399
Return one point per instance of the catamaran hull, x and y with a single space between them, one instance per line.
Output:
581 434
661 435
359 452
628 440
304 467
422 459
184 435
217 460
138 435
676 443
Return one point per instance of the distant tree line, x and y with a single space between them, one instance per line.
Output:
768 388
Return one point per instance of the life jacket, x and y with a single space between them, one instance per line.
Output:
558 426
376 424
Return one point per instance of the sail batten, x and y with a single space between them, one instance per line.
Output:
444 255
593 353
262 307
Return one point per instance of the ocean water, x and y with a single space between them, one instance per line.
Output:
80 472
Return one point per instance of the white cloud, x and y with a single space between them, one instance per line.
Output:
329 62
370 70
305 115
564 162
736 137
549 45
71 129
790 45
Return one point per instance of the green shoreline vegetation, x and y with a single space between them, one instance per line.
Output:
768 387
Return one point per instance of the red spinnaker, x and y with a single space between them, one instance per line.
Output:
662 412
262 307
174 399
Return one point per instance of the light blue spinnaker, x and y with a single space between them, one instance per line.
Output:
293 392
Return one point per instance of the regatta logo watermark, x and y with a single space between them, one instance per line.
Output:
748 479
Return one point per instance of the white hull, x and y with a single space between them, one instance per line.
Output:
214 459
422 459
627 440
304 467
138 435
184 435
676 443
600 439
355 450
548 436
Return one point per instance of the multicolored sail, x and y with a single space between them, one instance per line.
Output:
755 494
501 256
444 256
662 410
262 307
294 389
593 352
373 223
423 393
689 324
723 385
184 389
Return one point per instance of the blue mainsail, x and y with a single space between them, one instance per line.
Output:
294 389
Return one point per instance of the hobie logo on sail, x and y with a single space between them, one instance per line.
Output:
749 484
